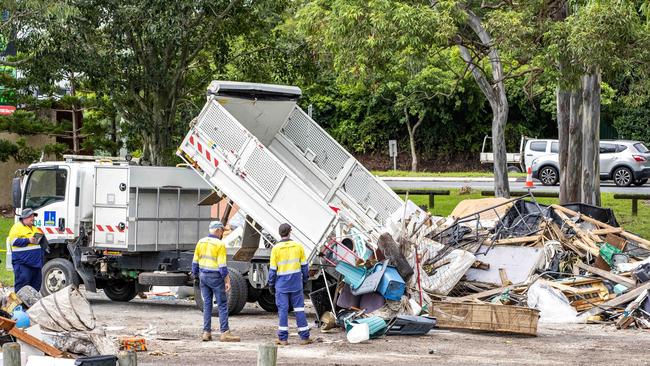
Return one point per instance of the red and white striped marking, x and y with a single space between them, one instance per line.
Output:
203 151
109 228
56 230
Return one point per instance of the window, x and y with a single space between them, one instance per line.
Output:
621 148
539 146
44 187
641 148
607 148
555 147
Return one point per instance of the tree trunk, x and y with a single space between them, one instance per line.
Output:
411 132
574 153
563 120
75 124
591 138
495 92
116 147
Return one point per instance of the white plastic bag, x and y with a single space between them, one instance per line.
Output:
553 306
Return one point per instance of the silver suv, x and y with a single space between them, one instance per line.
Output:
624 162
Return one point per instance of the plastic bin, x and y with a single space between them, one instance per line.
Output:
372 279
392 286
410 325
352 275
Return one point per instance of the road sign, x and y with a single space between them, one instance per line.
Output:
392 148
392 152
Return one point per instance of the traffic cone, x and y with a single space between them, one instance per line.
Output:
529 179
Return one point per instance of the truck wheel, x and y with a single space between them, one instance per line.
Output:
236 297
253 294
57 274
513 169
120 290
267 302
162 279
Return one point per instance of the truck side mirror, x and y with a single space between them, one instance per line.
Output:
15 192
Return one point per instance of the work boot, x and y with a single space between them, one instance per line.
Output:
229 337
207 336
280 342
306 341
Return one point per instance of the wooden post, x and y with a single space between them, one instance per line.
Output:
635 206
267 354
431 199
127 358
11 354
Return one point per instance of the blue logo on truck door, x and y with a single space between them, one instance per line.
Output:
50 218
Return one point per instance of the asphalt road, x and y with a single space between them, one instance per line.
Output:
488 184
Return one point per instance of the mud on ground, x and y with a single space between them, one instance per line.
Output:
173 328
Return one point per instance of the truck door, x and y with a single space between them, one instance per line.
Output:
110 207
48 192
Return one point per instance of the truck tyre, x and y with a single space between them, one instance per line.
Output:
253 294
57 274
267 301
120 290
549 176
163 279
623 176
513 169
236 297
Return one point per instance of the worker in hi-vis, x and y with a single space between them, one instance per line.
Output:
287 275
27 256
210 268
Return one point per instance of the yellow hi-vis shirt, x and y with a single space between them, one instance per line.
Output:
288 267
22 251
210 256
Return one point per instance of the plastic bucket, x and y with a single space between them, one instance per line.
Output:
358 333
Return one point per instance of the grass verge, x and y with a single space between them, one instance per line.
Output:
6 277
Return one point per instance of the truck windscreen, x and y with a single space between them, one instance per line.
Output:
45 186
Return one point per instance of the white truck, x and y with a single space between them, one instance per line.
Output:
111 223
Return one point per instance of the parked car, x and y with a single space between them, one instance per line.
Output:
624 162
529 149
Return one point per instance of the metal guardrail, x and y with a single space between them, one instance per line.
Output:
432 193
635 197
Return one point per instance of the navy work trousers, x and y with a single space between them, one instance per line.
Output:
27 276
213 285
297 300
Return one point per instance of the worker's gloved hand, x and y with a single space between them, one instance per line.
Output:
272 290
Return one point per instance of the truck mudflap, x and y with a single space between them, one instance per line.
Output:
87 275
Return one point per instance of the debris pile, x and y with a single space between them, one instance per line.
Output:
59 325
494 265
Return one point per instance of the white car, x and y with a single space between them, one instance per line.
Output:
624 162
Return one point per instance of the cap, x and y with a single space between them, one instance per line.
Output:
284 229
27 213
216 224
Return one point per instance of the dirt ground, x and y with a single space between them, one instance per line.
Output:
172 329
